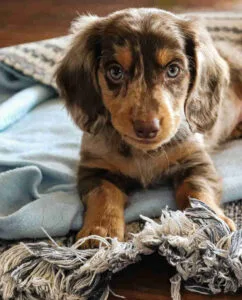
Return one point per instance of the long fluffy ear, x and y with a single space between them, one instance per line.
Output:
76 75
209 76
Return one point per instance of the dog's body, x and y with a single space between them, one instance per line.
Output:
154 96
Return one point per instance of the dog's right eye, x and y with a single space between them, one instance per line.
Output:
115 73
173 70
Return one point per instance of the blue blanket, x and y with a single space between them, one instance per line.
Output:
39 153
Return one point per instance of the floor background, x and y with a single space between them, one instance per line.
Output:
24 21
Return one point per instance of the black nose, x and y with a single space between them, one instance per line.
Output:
146 129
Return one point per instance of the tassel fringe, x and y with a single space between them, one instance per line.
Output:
206 255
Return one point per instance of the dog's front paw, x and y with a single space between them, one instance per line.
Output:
110 227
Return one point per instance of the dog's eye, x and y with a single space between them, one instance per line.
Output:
115 73
173 70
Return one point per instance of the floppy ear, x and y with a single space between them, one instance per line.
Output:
209 76
76 75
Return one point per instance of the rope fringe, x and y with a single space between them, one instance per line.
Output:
206 255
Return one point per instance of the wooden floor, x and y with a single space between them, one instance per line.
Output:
24 21
30 20
149 280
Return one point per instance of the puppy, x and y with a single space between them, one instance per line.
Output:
153 96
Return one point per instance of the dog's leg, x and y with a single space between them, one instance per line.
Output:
199 180
104 213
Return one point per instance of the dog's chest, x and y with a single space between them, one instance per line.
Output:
146 168
142 168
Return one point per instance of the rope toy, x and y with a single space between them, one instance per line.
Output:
206 255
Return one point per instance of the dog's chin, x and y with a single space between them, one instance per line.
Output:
144 144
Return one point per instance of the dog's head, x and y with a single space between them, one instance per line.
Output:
142 71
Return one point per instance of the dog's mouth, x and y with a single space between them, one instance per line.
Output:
144 144
141 141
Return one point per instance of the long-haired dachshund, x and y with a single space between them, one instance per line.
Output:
153 95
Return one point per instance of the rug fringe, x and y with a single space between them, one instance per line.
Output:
197 243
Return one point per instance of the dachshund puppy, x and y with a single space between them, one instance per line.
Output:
153 96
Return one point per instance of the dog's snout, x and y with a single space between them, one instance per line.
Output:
146 129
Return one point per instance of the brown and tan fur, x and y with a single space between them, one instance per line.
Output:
191 109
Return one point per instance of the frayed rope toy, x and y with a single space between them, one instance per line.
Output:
206 255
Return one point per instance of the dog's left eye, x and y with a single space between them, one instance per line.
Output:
115 73
173 70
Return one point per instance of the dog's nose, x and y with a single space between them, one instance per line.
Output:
146 129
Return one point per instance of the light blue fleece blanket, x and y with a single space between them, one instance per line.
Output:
38 160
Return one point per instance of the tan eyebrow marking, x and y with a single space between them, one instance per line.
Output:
164 56
123 56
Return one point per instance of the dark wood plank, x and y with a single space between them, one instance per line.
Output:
149 280
24 21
